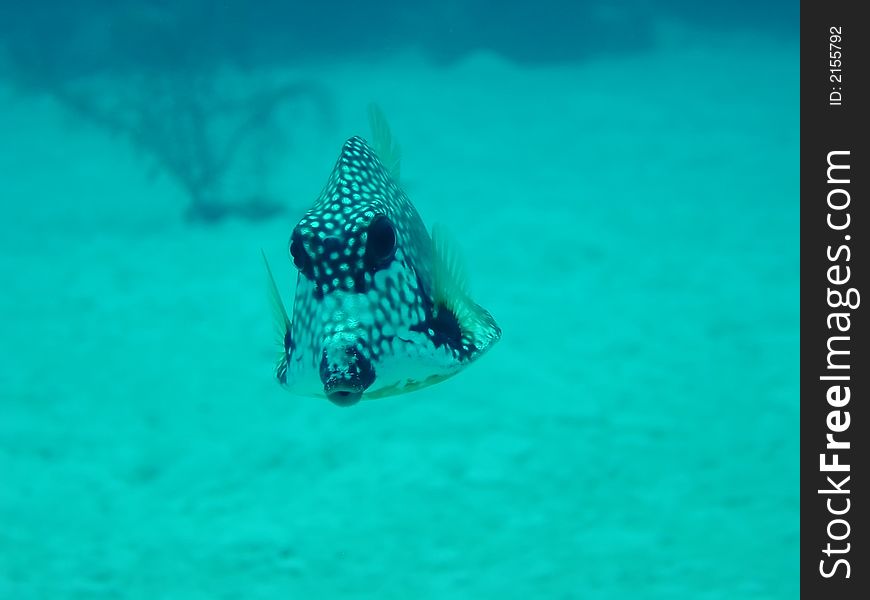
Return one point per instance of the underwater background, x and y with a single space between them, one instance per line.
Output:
622 179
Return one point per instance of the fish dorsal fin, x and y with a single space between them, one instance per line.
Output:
382 141
450 290
279 313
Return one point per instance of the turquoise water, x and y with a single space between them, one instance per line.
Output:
630 219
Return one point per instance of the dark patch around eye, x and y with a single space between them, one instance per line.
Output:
300 256
380 243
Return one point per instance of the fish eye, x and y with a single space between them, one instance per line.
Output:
300 256
380 242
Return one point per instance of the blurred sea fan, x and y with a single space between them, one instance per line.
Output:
150 72
196 131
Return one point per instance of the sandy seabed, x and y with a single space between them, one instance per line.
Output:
632 223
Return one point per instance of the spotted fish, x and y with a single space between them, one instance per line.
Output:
381 308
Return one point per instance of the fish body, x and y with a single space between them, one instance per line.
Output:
381 307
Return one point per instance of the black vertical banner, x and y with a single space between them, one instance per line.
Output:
835 367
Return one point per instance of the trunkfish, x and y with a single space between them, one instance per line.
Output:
381 307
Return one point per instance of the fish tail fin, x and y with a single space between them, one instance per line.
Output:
382 140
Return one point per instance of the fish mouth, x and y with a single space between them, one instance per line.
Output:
345 383
343 395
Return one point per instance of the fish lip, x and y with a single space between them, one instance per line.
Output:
341 393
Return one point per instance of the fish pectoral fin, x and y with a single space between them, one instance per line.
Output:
279 313
450 291
282 322
382 141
